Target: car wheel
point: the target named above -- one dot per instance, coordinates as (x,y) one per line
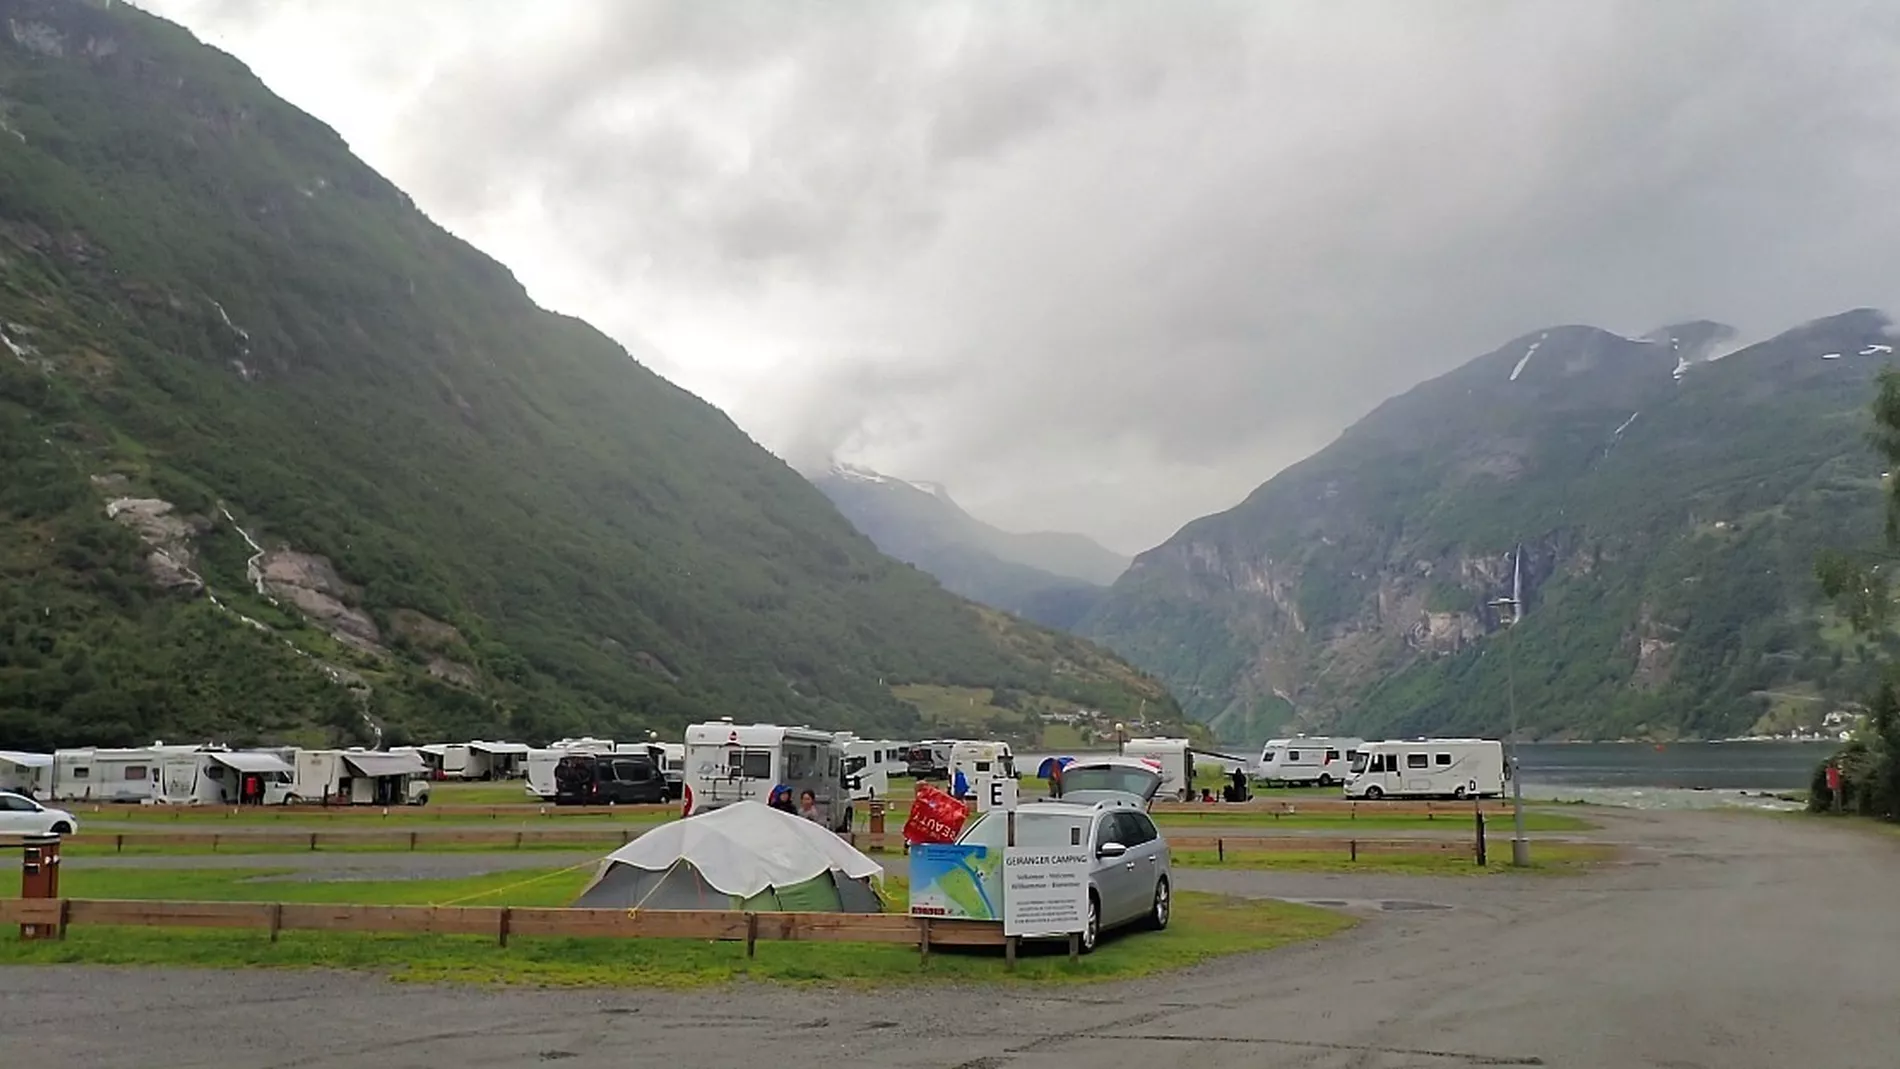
(1092,930)
(1163,907)
(291,799)
(1374,793)
(61,828)
(1459,793)
(1325,780)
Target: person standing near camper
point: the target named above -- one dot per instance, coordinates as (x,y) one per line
(782,799)
(808,806)
(960,787)
(1240,784)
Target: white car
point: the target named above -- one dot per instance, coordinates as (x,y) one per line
(20,815)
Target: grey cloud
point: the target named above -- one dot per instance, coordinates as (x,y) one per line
(1106,267)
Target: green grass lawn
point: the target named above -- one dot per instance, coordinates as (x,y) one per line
(1546,857)
(102,845)
(1346,823)
(1205,926)
(502,792)
(156,818)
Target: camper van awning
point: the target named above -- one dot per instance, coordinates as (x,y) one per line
(384,764)
(252,762)
(501,749)
(27,760)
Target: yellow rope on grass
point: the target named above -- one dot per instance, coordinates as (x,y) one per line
(520,883)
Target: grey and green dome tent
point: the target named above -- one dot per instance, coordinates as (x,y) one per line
(745,856)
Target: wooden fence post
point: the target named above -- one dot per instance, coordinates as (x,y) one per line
(1075,948)
(923,940)
(1479,813)
(751,935)
(1220,850)
(1353,846)
(65,915)
(276,920)
(507,914)
(313,840)
(1009,953)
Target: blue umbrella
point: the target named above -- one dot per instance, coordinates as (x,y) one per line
(1050,764)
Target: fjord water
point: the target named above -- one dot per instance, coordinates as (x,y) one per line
(1669,775)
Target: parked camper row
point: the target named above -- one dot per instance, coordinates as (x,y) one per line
(213,775)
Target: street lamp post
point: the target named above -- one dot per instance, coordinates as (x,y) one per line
(1520,846)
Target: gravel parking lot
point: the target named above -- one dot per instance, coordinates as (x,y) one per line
(1730,941)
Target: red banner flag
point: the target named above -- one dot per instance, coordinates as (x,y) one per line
(935,817)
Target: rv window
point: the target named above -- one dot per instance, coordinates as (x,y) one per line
(801,762)
(633,771)
(215,772)
(135,771)
(753,764)
(1332,755)
(1417,760)
(1267,757)
(1292,755)
(854,765)
(1442,760)
(82,772)
(982,766)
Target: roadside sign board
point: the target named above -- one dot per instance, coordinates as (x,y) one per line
(1045,890)
(954,880)
(999,792)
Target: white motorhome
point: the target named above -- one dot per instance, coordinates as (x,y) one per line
(866,767)
(538,767)
(929,759)
(360,777)
(1429,768)
(1304,759)
(727,762)
(216,777)
(30,774)
(109,775)
(1174,757)
(980,760)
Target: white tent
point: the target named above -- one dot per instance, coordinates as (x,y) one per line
(747,852)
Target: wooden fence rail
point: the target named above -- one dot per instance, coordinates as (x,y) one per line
(501,922)
(1354,849)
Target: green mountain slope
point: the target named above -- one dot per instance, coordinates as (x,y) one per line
(358,480)
(1669,510)
(1050,578)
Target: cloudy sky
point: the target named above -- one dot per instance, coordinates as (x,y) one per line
(1108,266)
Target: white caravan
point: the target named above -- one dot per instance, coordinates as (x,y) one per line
(866,768)
(1174,757)
(217,777)
(727,762)
(538,767)
(1430,768)
(978,761)
(1301,759)
(91,775)
(28,774)
(360,777)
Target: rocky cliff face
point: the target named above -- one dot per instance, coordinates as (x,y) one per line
(1667,508)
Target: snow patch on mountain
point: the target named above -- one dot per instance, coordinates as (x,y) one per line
(1526,358)
(854,473)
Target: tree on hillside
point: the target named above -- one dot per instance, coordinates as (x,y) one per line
(1861,586)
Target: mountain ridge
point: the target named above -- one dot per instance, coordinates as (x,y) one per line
(287,461)
(1353,589)
(921,524)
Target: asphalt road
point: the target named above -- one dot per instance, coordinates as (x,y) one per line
(1726,942)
